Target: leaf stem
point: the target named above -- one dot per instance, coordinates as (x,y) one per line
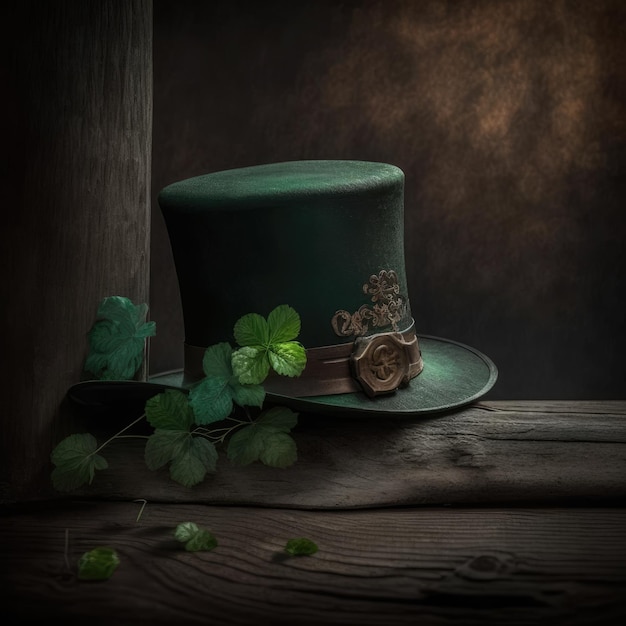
(234,419)
(211,432)
(207,431)
(110,439)
(212,435)
(143,506)
(66,550)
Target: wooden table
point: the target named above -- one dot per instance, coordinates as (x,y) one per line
(500,513)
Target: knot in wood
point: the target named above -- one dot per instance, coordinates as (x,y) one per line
(487,566)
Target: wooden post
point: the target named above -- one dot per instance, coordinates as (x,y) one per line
(75,216)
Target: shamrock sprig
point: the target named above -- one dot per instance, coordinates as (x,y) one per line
(174,441)
(182,438)
(301,546)
(268,344)
(98,564)
(212,398)
(194,538)
(117,339)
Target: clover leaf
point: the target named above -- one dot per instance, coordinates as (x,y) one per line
(195,459)
(76,460)
(301,547)
(268,344)
(117,339)
(194,537)
(278,419)
(180,437)
(98,564)
(164,446)
(169,410)
(267,440)
(212,398)
(251,364)
(190,457)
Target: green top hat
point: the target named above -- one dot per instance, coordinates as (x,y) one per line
(326,238)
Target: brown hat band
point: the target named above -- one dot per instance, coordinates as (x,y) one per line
(376,364)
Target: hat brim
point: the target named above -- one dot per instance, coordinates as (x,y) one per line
(454,376)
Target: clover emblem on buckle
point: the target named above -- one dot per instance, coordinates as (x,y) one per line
(381,362)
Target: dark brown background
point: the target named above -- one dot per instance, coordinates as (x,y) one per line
(507,118)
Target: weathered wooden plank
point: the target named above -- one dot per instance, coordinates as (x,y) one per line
(76,221)
(490,453)
(402,566)
(588,407)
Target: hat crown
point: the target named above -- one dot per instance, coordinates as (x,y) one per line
(325,237)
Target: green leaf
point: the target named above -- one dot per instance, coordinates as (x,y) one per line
(288,359)
(301,547)
(246,445)
(266,440)
(248,395)
(114,353)
(279,451)
(117,339)
(251,330)
(98,564)
(216,360)
(164,446)
(284,324)
(75,461)
(191,457)
(211,400)
(202,540)
(169,410)
(278,419)
(185,531)
(121,309)
(197,457)
(195,538)
(250,364)
(266,344)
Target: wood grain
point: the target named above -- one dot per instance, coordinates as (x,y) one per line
(490,453)
(76,219)
(402,566)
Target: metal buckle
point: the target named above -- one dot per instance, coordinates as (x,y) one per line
(381,363)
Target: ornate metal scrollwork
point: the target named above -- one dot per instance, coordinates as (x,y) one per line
(388,309)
